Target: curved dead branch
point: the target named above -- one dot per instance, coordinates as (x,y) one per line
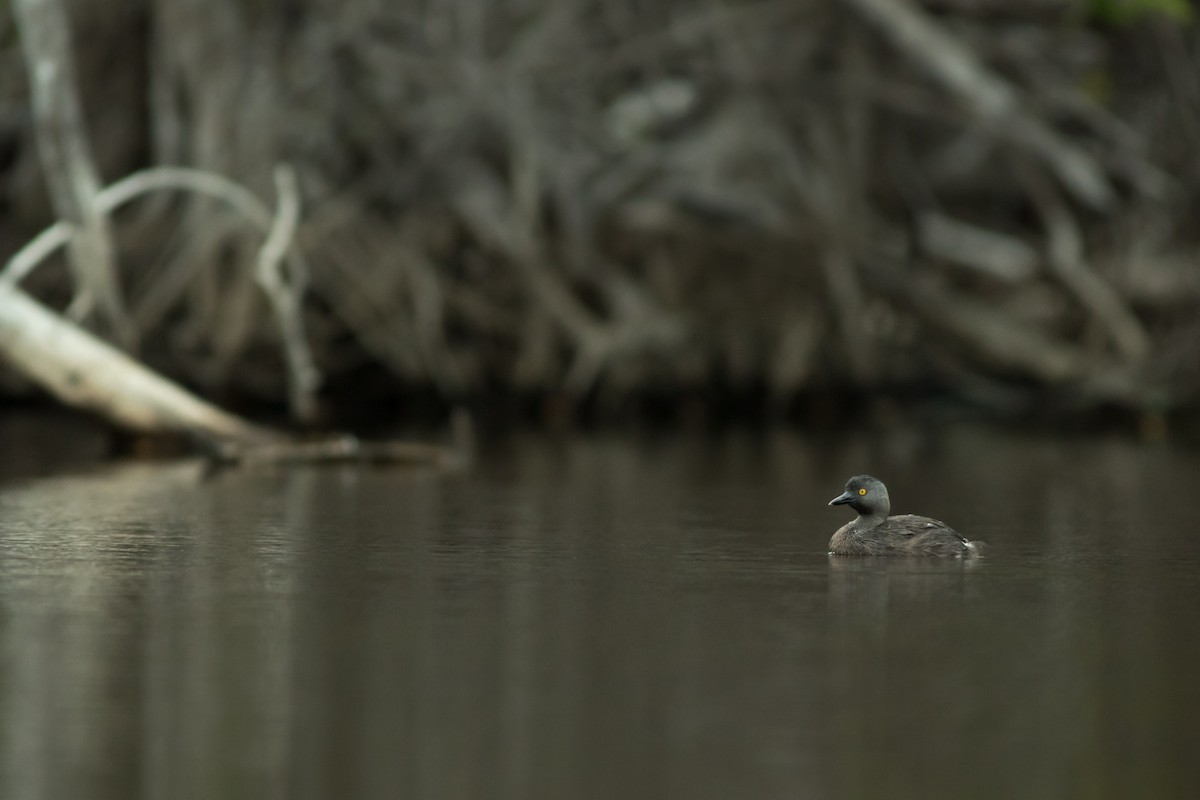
(285,294)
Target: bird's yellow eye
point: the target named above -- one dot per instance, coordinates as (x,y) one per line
(862,491)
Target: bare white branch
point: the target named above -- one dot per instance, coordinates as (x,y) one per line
(286,294)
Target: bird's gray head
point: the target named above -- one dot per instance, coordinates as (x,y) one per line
(866,495)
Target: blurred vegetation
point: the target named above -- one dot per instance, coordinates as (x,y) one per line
(994,200)
(1126,11)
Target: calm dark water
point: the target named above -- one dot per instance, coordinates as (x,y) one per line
(606,618)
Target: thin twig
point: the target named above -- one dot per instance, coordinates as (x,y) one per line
(286,295)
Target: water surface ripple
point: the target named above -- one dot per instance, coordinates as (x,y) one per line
(606,618)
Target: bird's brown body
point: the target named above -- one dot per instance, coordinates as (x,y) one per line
(874,533)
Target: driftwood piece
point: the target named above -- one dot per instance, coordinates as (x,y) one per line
(86,372)
(351,450)
(91,374)
(342,449)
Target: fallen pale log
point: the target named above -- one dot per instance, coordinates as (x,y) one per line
(84,371)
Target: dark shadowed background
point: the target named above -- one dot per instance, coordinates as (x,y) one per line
(952,243)
(682,208)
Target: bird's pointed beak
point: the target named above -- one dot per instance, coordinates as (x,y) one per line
(844,497)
